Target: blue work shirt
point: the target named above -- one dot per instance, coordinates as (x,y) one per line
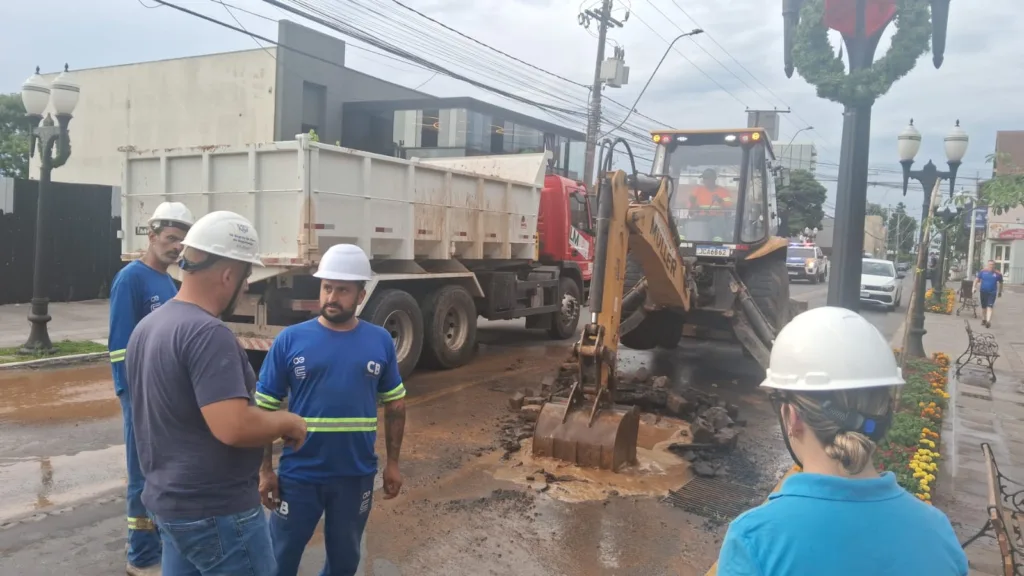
(333,379)
(990,279)
(830,526)
(136,291)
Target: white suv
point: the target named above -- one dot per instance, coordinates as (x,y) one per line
(879,283)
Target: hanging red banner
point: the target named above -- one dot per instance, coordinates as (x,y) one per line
(841,15)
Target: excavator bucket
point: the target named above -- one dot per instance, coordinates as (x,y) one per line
(604,439)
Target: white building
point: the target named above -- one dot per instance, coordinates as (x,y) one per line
(797,156)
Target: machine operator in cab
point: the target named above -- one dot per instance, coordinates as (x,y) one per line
(714,204)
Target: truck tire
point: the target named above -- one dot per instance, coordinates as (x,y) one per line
(567,319)
(397,312)
(660,328)
(768,285)
(449,328)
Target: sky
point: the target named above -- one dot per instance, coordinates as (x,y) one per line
(705,82)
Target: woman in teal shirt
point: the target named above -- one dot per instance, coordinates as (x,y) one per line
(831,378)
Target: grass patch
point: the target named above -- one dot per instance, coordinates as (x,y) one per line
(63,348)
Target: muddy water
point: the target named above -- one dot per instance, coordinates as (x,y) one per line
(657,470)
(29,484)
(56,396)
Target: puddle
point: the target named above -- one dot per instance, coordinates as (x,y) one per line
(52,396)
(657,470)
(30,484)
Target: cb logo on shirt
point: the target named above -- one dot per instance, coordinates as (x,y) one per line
(373,368)
(300,369)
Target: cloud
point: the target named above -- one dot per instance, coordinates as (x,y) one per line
(977,84)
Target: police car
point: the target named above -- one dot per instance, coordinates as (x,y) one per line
(805,261)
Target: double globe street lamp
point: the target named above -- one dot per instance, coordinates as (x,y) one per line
(54,144)
(909,143)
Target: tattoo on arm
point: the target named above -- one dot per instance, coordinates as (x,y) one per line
(268,457)
(394,428)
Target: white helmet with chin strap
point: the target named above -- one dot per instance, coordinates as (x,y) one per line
(171,214)
(830,348)
(227,235)
(345,262)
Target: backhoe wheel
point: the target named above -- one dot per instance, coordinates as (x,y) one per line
(768,285)
(397,312)
(660,328)
(565,321)
(449,327)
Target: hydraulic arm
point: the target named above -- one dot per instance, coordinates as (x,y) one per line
(587,427)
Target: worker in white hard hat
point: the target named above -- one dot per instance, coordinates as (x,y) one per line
(333,370)
(832,379)
(198,430)
(138,289)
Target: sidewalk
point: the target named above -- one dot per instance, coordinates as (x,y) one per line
(87,320)
(980,411)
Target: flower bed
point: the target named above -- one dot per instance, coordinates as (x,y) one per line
(909,449)
(939,305)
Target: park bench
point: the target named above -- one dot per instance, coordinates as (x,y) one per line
(1003,524)
(982,348)
(967,299)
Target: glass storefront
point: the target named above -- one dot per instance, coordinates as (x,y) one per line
(460,131)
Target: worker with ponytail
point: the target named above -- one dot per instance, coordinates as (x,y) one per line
(832,379)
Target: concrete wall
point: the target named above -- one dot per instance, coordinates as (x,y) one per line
(300,76)
(213,99)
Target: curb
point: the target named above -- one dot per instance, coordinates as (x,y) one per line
(56,361)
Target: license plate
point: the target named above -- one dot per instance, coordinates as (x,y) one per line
(865,295)
(713,251)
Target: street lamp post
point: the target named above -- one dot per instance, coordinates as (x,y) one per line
(62,96)
(909,144)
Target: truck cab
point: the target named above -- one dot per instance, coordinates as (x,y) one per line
(565,227)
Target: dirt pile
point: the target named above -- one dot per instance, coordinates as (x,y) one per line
(714,423)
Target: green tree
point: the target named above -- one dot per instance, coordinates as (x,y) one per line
(901,228)
(800,203)
(1005,190)
(14,137)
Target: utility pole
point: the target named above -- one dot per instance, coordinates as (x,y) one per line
(603,18)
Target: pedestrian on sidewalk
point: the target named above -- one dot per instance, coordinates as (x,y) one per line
(198,432)
(138,289)
(991,282)
(333,370)
(832,378)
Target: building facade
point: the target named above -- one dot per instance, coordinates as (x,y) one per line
(797,156)
(875,233)
(1004,239)
(272,94)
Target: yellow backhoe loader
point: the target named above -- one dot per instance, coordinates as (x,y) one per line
(691,249)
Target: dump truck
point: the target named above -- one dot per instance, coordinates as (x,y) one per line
(450,240)
(691,245)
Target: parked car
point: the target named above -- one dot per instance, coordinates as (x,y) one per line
(879,284)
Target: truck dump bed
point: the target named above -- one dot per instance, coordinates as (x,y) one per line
(304,197)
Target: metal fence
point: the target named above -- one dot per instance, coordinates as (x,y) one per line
(83,249)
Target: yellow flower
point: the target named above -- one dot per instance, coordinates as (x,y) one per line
(925,487)
(927,496)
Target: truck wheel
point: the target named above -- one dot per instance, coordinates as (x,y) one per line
(565,321)
(449,327)
(660,328)
(397,312)
(768,285)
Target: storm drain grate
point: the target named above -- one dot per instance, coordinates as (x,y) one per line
(712,498)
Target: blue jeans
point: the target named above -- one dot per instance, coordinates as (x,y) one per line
(143,540)
(345,504)
(233,545)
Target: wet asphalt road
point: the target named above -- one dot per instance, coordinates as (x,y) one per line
(61,473)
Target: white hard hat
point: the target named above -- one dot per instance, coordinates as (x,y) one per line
(172,212)
(831,348)
(227,235)
(345,262)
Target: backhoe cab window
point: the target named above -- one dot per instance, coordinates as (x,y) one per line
(707,181)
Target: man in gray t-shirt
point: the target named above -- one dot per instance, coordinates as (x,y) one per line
(184,358)
(198,433)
